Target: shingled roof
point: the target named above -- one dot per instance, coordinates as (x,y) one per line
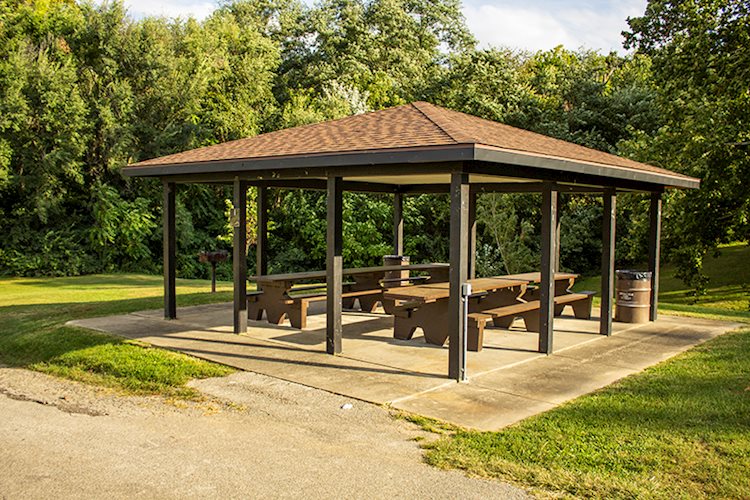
(415,126)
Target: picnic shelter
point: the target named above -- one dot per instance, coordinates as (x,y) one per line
(406,150)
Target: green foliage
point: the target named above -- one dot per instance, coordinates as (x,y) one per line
(701,68)
(512,236)
(121,228)
(578,244)
(486,83)
(676,430)
(426,222)
(86,89)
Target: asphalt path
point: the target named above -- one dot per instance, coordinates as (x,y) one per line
(254,436)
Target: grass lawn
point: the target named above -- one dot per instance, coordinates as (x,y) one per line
(33,335)
(727,296)
(680,429)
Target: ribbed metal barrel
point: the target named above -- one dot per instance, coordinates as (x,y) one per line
(396,260)
(633,291)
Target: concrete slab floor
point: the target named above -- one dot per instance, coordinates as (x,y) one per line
(509,380)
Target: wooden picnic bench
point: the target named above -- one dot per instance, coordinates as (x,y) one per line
(279,296)
(501,304)
(424,306)
(563,284)
(529,311)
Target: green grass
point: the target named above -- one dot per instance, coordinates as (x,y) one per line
(727,296)
(33,335)
(680,429)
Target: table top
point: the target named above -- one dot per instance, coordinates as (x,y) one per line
(321,275)
(437,291)
(536,277)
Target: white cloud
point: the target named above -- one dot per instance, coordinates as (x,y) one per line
(524,24)
(171,8)
(544,25)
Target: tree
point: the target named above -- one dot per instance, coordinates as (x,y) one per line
(701,67)
(389,49)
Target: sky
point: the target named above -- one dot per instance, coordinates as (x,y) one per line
(519,24)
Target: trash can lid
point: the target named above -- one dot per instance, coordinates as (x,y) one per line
(632,274)
(402,257)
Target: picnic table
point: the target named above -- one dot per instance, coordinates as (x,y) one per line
(424,306)
(563,284)
(279,296)
(500,299)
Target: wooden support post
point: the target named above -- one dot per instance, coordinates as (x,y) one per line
(654,252)
(472,234)
(459,273)
(334,265)
(261,253)
(608,261)
(547,284)
(398,224)
(170,250)
(239,255)
(556,267)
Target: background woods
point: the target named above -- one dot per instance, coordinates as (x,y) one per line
(86,89)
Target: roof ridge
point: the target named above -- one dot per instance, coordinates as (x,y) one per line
(471,139)
(418,106)
(459,136)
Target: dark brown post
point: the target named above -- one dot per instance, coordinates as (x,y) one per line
(547,284)
(239,255)
(654,244)
(459,272)
(557,233)
(261,254)
(398,224)
(334,265)
(170,250)
(608,261)
(472,234)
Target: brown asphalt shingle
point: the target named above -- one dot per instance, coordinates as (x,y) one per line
(415,125)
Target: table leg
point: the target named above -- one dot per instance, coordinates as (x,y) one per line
(297,313)
(274,300)
(498,298)
(561,288)
(432,318)
(254,308)
(370,281)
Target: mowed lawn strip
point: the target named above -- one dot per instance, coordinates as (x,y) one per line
(33,335)
(680,429)
(727,293)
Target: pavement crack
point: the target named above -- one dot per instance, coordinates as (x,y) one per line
(63,406)
(515,394)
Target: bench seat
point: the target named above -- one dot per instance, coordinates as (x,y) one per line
(298,305)
(529,311)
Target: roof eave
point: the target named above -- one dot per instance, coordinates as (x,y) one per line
(496,155)
(430,154)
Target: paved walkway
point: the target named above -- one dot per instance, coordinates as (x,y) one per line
(265,438)
(509,380)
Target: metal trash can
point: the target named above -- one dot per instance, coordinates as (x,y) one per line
(396,278)
(633,299)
